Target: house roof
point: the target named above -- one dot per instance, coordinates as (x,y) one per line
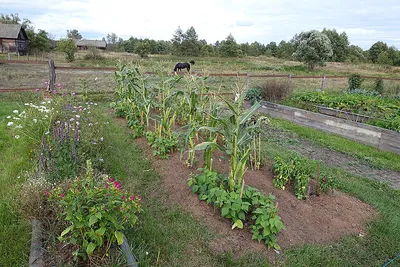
(10,31)
(95,43)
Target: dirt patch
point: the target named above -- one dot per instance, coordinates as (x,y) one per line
(317,220)
(332,158)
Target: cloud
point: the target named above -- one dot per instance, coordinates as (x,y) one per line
(365,22)
(244,23)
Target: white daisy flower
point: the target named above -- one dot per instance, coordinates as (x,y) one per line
(10,123)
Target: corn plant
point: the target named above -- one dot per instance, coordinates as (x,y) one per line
(232,128)
(137,97)
(163,139)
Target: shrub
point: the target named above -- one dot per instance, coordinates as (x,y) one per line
(67,46)
(355,81)
(97,210)
(379,86)
(273,90)
(93,53)
(254,95)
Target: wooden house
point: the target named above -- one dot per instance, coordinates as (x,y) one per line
(13,38)
(85,44)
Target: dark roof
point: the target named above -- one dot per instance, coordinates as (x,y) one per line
(10,31)
(95,43)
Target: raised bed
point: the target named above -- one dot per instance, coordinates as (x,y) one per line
(383,139)
(343,114)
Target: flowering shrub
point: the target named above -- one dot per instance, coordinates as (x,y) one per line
(96,211)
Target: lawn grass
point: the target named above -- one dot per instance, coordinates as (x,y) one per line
(371,155)
(382,242)
(14,159)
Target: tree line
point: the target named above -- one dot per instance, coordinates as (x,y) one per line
(313,47)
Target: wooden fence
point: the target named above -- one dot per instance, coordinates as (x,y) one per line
(247,76)
(380,138)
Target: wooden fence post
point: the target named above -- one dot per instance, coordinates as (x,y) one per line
(52,75)
(9,56)
(247,81)
(289,80)
(323,83)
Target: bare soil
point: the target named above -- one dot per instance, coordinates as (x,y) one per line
(333,158)
(322,219)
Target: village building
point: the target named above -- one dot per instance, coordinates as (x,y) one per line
(85,44)
(13,39)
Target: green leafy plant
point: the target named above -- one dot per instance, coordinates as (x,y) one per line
(253,95)
(97,212)
(327,183)
(162,145)
(293,169)
(378,87)
(241,205)
(68,47)
(236,136)
(355,81)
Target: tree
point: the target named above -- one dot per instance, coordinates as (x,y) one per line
(285,50)
(356,54)
(271,49)
(14,19)
(376,49)
(39,41)
(143,48)
(340,44)
(383,59)
(190,45)
(394,55)
(67,46)
(186,43)
(229,47)
(74,34)
(313,48)
(112,38)
(176,40)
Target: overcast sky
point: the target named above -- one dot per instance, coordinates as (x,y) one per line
(365,22)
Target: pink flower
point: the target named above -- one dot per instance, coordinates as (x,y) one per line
(37,89)
(111,180)
(117,185)
(132,198)
(123,197)
(73,93)
(54,91)
(107,195)
(106,185)
(47,193)
(62,195)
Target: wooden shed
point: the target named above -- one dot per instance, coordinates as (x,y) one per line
(13,38)
(85,44)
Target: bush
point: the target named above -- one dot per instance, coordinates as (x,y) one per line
(273,90)
(67,46)
(379,86)
(93,54)
(254,95)
(355,81)
(97,210)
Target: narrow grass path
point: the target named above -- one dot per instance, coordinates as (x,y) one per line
(166,235)
(14,159)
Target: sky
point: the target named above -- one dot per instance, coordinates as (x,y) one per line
(365,22)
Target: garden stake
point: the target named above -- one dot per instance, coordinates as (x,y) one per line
(318,189)
(241,190)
